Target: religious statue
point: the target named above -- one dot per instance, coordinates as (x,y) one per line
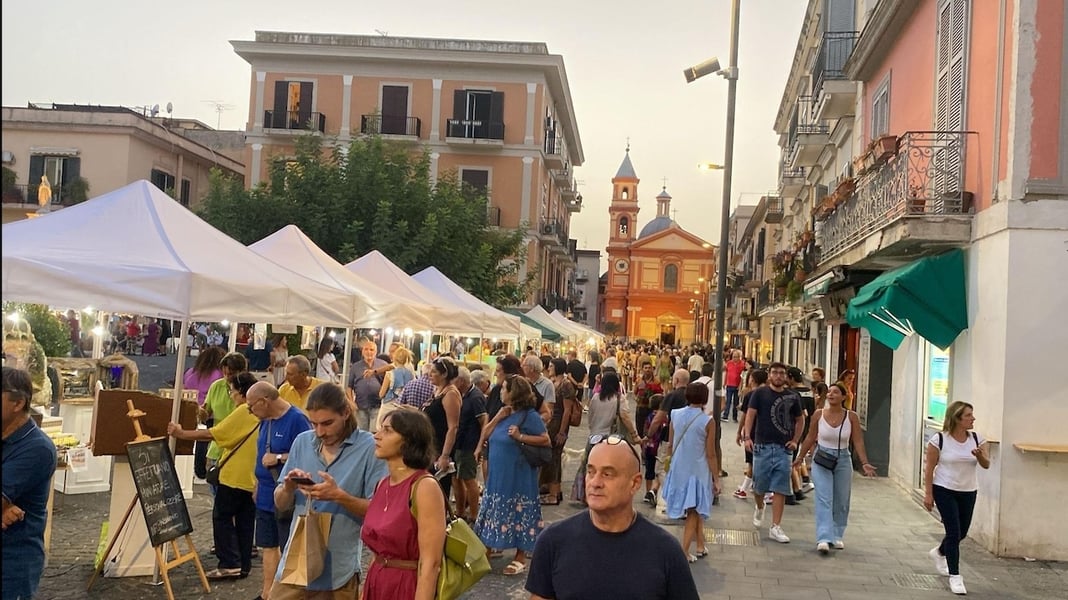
(44,192)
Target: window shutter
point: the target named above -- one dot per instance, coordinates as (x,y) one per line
(281,102)
(459,104)
(305,110)
(496,116)
(72,169)
(36,170)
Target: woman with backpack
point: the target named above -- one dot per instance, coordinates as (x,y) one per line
(951,483)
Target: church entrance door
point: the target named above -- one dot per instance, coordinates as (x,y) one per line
(667,335)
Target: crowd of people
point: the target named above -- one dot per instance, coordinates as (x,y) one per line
(388,454)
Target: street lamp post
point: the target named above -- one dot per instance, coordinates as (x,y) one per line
(731,75)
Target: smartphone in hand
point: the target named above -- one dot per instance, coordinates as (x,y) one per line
(302,480)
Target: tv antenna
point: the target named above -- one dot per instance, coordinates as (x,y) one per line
(382,32)
(220,107)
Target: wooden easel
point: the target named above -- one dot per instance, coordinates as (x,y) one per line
(161,561)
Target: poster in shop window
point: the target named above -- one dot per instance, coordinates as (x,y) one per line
(937,383)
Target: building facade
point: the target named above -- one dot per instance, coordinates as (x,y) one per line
(87,151)
(925,156)
(497,114)
(658,279)
(587,268)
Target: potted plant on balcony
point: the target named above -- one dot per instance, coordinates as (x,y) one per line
(845,188)
(824,208)
(883,148)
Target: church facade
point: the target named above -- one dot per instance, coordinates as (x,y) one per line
(657,284)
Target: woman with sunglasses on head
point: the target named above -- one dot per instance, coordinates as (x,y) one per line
(692,479)
(951,482)
(510,516)
(832,429)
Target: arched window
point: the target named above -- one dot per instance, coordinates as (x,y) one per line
(624,225)
(626,193)
(671,278)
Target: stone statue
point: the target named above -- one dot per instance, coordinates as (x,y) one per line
(44,192)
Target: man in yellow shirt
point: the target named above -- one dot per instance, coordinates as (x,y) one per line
(299,382)
(234,514)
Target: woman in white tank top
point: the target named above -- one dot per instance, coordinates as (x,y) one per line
(830,432)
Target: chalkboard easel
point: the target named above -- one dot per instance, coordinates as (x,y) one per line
(162,502)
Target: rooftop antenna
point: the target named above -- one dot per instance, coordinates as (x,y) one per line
(220,106)
(155,110)
(382,32)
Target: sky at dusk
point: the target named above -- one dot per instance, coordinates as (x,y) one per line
(624,62)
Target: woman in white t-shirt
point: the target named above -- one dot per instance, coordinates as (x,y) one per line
(326,367)
(951,484)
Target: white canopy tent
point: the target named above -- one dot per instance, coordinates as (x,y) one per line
(459,320)
(590,333)
(294,250)
(138,251)
(539,315)
(434,279)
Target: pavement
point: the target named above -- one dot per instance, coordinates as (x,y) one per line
(885,557)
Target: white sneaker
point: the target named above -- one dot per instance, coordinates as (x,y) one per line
(956,585)
(776,533)
(823,548)
(758,517)
(940,561)
(769,498)
(807,487)
(839,545)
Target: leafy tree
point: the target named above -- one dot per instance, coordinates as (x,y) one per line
(377,195)
(48,329)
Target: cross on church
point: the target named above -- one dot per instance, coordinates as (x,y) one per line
(628,143)
(674,214)
(665,183)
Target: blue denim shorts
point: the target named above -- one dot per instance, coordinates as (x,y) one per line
(771,469)
(270,532)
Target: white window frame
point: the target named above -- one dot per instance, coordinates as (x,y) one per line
(880,108)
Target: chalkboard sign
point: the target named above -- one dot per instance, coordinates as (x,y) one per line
(158,488)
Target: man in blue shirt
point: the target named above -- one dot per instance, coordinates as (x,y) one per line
(365,381)
(280,424)
(29,460)
(339,458)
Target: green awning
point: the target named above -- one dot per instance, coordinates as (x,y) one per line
(546,333)
(927,297)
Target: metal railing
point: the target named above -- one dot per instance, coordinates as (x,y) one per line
(925,178)
(774,212)
(554,143)
(554,230)
(806,120)
(390,125)
(22,193)
(834,50)
(273,119)
(551,301)
(474,129)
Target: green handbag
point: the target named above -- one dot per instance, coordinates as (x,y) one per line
(464,560)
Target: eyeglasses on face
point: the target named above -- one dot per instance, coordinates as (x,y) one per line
(614,440)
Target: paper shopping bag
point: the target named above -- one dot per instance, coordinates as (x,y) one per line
(307,549)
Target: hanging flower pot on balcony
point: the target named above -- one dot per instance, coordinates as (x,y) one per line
(846,187)
(824,208)
(860,166)
(883,148)
(800,275)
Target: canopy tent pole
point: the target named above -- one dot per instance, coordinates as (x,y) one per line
(893,322)
(179,371)
(98,339)
(231,343)
(346,365)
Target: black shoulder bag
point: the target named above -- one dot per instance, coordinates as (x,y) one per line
(536,456)
(826,459)
(213,473)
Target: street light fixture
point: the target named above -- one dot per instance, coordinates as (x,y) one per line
(730,73)
(707,166)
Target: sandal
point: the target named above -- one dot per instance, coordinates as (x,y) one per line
(701,553)
(492,554)
(515,568)
(224,574)
(550,500)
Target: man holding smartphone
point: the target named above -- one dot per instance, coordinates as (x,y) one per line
(334,469)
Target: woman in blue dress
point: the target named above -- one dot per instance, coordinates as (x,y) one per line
(692,480)
(510,516)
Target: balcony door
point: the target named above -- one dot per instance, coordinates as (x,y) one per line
(394,110)
(479,114)
(292,104)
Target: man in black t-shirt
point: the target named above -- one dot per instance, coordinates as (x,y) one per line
(570,555)
(796,380)
(468,432)
(774,425)
(576,373)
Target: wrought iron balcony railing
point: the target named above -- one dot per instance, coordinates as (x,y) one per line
(273,119)
(474,129)
(834,50)
(390,125)
(925,178)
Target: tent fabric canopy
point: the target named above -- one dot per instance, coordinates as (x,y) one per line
(927,296)
(457,319)
(136,250)
(589,332)
(545,320)
(434,279)
(544,332)
(376,306)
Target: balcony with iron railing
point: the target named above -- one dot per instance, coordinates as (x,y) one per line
(554,150)
(915,202)
(774,212)
(807,135)
(26,195)
(792,181)
(294,120)
(470,131)
(834,94)
(554,232)
(391,125)
(551,301)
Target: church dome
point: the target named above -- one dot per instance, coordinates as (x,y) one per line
(656,226)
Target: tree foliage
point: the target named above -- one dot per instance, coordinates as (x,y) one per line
(377,195)
(49,330)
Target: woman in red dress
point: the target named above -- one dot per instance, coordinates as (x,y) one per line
(405,522)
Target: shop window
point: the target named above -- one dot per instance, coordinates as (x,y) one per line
(936,365)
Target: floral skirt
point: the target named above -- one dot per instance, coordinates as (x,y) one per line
(509,521)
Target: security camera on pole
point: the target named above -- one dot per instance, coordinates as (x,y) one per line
(730,73)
